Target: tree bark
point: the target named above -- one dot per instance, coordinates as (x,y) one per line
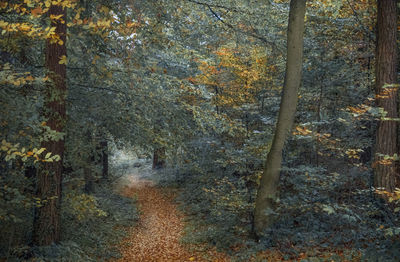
(47,217)
(159,158)
(268,193)
(386,96)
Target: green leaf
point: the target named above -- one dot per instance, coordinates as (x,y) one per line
(40,151)
(328,209)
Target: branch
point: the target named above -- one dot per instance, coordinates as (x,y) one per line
(230,9)
(370,35)
(251,34)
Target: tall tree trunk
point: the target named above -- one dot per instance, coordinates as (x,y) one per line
(47,217)
(267,195)
(386,96)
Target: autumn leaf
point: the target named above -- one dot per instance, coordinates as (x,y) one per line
(37,11)
(95,58)
(63,60)
(29,78)
(105,9)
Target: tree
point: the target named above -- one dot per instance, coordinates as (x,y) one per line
(49,177)
(267,195)
(386,94)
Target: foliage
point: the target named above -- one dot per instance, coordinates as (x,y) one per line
(321,215)
(91,237)
(201,79)
(83,206)
(90,232)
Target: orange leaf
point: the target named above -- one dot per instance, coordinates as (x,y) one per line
(37,11)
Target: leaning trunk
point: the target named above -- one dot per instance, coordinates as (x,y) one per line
(267,195)
(47,214)
(386,94)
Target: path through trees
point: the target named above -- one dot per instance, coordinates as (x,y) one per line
(160,228)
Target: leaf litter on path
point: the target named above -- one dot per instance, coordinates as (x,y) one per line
(156,237)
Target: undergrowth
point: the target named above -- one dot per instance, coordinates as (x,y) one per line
(90,236)
(94,238)
(322,216)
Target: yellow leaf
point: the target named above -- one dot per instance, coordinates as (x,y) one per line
(105,9)
(28,3)
(192,259)
(24,27)
(3,23)
(55,17)
(63,60)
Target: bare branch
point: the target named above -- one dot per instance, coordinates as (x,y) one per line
(248,33)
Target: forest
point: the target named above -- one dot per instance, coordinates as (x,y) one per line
(199,130)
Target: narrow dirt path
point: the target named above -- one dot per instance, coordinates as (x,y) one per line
(156,236)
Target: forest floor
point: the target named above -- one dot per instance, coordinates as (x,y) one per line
(157,235)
